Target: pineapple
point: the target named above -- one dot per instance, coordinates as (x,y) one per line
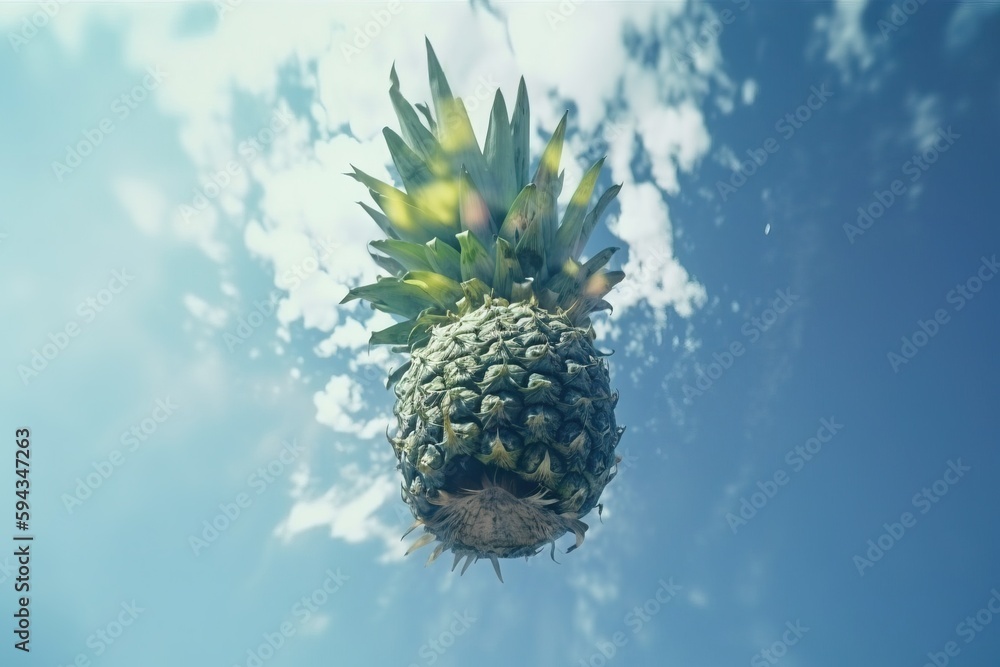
(506,430)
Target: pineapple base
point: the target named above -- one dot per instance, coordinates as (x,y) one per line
(495,521)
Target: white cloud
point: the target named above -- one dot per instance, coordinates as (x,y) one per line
(847,45)
(674,137)
(312,232)
(353,335)
(698,598)
(205,312)
(564,59)
(966,22)
(656,277)
(606,330)
(144,203)
(749,91)
(727,158)
(337,405)
(315,625)
(349,510)
(596,586)
(926,113)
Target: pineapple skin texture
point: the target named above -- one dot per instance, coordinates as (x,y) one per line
(513,387)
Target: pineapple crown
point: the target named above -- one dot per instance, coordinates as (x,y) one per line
(471,226)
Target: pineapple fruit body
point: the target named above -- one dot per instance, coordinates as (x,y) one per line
(508,414)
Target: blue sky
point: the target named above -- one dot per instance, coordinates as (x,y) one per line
(810,461)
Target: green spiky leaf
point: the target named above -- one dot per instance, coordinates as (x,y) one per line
(412,169)
(530,250)
(588,282)
(558,185)
(547,176)
(406,220)
(397,334)
(474,213)
(579,311)
(440,90)
(591,297)
(596,263)
(412,223)
(419,137)
(394,296)
(499,154)
(572,223)
(523,212)
(506,271)
(397,374)
(522,291)
(564,283)
(445,291)
(422,108)
(476,261)
(458,141)
(547,222)
(599,284)
(407,335)
(411,256)
(388,264)
(520,135)
(444,259)
(474,290)
(380,220)
(590,222)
